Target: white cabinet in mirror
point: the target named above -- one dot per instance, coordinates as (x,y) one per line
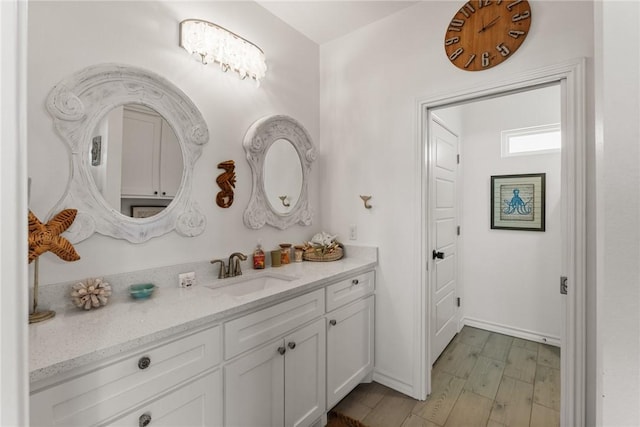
(280,152)
(96,111)
(137,165)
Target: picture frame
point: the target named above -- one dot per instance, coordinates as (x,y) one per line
(146,211)
(518,202)
(96,150)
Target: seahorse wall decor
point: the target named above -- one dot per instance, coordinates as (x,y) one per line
(227,182)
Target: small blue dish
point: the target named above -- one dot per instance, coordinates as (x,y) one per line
(142,290)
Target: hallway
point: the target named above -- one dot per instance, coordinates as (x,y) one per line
(481,379)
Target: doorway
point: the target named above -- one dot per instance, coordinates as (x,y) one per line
(570,77)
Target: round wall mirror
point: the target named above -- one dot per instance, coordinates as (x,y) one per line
(136,161)
(280,152)
(144,191)
(282,176)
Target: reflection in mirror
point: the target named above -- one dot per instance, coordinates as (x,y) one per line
(282,176)
(136,160)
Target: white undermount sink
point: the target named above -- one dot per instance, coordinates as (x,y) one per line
(241,286)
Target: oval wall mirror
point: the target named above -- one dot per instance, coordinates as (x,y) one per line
(89,110)
(280,152)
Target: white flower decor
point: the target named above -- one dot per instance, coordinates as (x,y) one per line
(92,293)
(323,239)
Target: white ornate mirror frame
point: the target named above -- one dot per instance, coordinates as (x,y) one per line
(78,103)
(257,141)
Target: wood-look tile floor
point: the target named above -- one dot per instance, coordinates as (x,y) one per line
(481,379)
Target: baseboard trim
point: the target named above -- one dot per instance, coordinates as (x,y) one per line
(512,331)
(387,380)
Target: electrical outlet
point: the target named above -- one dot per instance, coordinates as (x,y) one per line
(186,280)
(353,232)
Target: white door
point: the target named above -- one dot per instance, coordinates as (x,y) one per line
(254,388)
(349,348)
(140,153)
(443,150)
(304,375)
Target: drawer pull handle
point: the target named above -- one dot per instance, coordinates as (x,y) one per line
(292,345)
(144,362)
(144,420)
(332,322)
(355,281)
(282,350)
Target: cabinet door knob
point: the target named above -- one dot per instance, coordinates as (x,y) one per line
(282,350)
(164,193)
(144,420)
(332,322)
(144,362)
(292,345)
(155,192)
(355,281)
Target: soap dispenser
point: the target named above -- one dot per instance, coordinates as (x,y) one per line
(258,257)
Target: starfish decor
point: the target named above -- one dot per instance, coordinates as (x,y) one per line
(44,238)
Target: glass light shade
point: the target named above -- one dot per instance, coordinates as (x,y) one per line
(212,43)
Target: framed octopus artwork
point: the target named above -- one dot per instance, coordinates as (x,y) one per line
(518,202)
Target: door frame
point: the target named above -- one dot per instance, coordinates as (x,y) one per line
(571,76)
(14,303)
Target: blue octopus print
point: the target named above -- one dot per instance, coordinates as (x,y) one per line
(517,202)
(517,206)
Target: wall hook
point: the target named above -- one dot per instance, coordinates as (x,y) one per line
(365,199)
(284,202)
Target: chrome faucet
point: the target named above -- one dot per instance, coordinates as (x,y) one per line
(232,269)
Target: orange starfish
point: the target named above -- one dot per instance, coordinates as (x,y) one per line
(46,237)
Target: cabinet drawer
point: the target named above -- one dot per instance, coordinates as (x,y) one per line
(198,403)
(257,328)
(349,290)
(114,387)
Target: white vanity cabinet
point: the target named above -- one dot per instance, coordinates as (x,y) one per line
(278,364)
(153,381)
(350,322)
(282,382)
(151,155)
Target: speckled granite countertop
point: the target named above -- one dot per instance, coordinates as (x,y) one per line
(75,338)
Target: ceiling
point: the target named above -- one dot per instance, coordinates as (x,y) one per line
(323,21)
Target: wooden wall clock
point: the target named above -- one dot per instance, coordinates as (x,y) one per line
(484,33)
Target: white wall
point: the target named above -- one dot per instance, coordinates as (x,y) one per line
(371,80)
(618,162)
(65,37)
(509,279)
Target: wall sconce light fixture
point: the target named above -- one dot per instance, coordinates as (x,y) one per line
(213,43)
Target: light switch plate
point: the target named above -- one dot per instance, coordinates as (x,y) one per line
(186,280)
(353,232)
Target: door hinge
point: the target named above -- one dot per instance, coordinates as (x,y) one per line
(458,158)
(458,301)
(563,285)
(458,230)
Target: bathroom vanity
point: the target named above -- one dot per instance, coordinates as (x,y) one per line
(250,353)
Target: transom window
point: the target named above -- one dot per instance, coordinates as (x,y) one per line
(532,140)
